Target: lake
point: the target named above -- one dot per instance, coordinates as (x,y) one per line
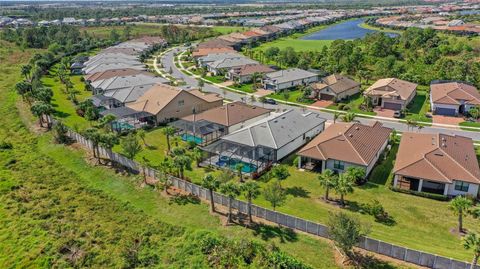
(346,30)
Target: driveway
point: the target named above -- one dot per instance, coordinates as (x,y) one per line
(322,103)
(383,112)
(447,119)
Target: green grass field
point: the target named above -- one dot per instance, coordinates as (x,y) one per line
(244,87)
(293,96)
(229,29)
(419,107)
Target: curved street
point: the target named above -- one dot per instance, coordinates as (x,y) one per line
(168,62)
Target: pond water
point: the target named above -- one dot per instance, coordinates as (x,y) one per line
(346,30)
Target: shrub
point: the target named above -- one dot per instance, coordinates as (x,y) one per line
(377,210)
(4,145)
(433,196)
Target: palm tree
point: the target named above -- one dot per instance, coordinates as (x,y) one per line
(26,70)
(23,88)
(255,77)
(231,190)
(472,241)
(42,110)
(336,115)
(197,154)
(182,162)
(106,122)
(239,167)
(328,180)
(411,124)
(141,134)
(344,186)
(252,191)
(93,135)
(460,205)
(168,131)
(348,117)
(211,183)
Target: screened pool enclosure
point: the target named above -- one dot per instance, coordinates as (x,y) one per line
(231,155)
(201,132)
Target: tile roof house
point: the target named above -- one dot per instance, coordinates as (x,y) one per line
(453,98)
(215,43)
(335,87)
(111,66)
(223,65)
(243,74)
(288,78)
(208,126)
(127,51)
(265,142)
(437,163)
(121,82)
(343,145)
(210,58)
(200,52)
(168,103)
(391,93)
(114,73)
(233,116)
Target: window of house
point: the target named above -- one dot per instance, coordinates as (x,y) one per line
(338,165)
(461,186)
(181,102)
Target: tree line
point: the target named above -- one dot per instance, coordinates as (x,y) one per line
(417,55)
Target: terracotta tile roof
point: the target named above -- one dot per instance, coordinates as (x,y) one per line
(337,83)
(251,33)
(392,87)
(437,157)
(249,69)
(160,95)
(349,142)
(215,43)
(206,51)
(452,92)
(229,114)
(115,73)
(271,29)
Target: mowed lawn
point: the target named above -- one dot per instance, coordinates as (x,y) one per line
(420,223)
(229,29)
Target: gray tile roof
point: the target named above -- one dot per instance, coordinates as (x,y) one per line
(108,60)
(111,66)
(232,62)
(287,75)
(129,94)
(126,81)
(218,56)
(276,130)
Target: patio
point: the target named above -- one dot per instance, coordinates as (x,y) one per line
(201,132)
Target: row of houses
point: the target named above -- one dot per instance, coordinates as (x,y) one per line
(440,23)
(256,138)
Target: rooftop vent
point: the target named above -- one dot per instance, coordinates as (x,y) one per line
(439,154)
(357,128)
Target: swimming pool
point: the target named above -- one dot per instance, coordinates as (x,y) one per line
(122,126)
(232,163)
(189,137)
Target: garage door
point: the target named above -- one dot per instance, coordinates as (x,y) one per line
(393,106)
(445,111)
(326,96)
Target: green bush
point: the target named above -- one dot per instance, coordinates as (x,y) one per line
(433,196)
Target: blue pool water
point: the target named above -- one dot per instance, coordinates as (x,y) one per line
(189,137)
(232,164)
(122,126)
(345,30)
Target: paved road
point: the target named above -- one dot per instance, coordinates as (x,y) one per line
(168,62)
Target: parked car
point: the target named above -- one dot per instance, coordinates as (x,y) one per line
(270,101)
(398,114)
